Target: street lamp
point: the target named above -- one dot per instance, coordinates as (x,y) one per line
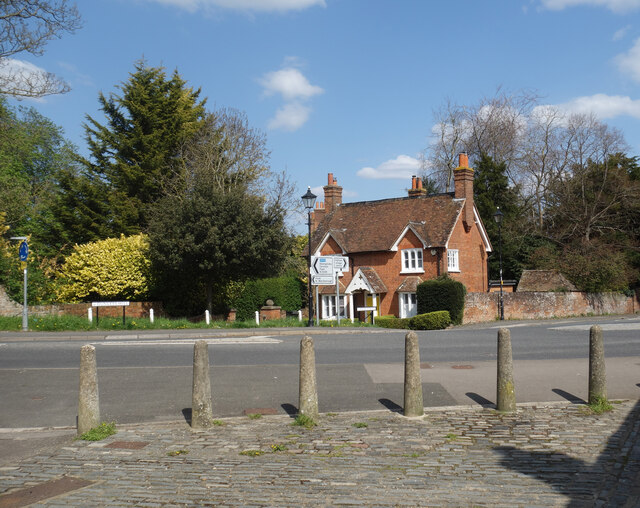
(309,201)
(498,218)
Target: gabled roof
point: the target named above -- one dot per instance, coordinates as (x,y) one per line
(377,225)
(366,278)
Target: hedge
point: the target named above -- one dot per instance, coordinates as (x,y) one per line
(442,293)
(286,292)
(431,321)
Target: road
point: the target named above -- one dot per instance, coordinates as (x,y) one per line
(147,376)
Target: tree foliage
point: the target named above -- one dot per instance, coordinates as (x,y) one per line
(26,26)
(134,153)
(111,269)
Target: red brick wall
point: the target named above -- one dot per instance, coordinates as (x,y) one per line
(480,307)
(472,258)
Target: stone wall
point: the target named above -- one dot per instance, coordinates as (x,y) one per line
(481,307)
(135,309)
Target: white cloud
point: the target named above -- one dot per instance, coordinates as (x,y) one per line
(290,83)
(402,167)
(603,106)
(617,6)
(629,62)
(244,5)
(290,117)
(620,34)
(21,75)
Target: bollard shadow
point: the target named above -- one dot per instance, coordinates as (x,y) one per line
(574,399)
(186,414)
(390,405)
(479,399)
(290,409)
(581,482)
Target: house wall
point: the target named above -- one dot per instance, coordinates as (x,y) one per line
(472,258)
(481,307)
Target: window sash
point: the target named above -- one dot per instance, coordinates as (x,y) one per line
(453,261)
(412,260)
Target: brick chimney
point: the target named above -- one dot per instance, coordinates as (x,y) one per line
(317,215)
(416,187)
(463,182)
(332,194)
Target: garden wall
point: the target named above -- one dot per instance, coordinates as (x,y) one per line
(481,307)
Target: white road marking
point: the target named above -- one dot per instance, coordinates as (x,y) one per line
(611,327)
(223,341)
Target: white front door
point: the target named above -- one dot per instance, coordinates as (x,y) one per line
(408,305)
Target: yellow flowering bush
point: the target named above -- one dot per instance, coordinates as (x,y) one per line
(115,268)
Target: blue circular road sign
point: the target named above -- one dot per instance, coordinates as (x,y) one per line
(24,251)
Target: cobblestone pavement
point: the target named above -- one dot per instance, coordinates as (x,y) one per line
(544,455)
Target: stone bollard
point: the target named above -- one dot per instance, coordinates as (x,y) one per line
(597,374)
(151,315)
(90,314)
(413,401)
(506,394)
(308,391)
(88,400)
(207,317)
(201,406)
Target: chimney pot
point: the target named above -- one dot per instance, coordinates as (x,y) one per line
(463,160)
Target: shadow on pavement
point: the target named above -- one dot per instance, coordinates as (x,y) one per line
(580,481)
(290,409)
(390,405)
(476,397)
(574,399)
(186,413)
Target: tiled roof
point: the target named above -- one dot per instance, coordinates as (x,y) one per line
(409,285)
(370,226)
(374,279)
(544,280)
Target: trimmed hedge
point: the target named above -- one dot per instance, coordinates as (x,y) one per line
(430,321)
(442,293)
(285,292)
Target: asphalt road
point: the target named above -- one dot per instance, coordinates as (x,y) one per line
(147,376)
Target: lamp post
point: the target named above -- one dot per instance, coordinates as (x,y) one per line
(498,218)
(309,200)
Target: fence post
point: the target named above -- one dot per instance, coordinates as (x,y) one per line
(88,399)
(308,391)
(506,394)
(413,401)
(201,406)
(597,374)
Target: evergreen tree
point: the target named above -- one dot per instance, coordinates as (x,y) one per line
(134,151)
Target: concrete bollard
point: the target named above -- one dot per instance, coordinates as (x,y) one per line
(413,401)
(151,315)
(201,406)
(597,371)
(207,317)
(506,394)
(90,314)
(308,391)
(88,399)
(257,318)
(300,316)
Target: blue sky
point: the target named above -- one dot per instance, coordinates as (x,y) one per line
(350,86)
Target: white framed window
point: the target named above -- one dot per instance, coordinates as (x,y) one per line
(408,305)
(412,261)
(453,264)
(329,307)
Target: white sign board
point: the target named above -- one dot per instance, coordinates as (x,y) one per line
(328,265)
(323,280)
(109,304)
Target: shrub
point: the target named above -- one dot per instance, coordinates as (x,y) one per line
(442,293)
(392,322)
(286,292)
(431,321)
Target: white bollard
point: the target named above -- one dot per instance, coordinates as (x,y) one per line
(207,317)
(300,315)
(151,315)
(90,314)
(257,318)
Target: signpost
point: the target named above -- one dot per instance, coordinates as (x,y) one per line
(124,305)
(324,272)
(23,253)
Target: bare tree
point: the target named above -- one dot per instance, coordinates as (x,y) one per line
(27,26)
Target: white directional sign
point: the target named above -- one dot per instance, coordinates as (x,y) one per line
(323,280)
(328,265)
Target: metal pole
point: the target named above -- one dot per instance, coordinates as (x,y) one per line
(310,305)
(25,308)
(501,295)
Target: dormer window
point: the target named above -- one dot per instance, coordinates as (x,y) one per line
(412,261)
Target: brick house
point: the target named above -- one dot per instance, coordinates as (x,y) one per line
(394,244)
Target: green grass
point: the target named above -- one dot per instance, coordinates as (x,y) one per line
(278,448)
(175,453)
(100,432)
(254,416)
(252,453)
(360,425)
(67,322)
(600,405)
(304,421)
